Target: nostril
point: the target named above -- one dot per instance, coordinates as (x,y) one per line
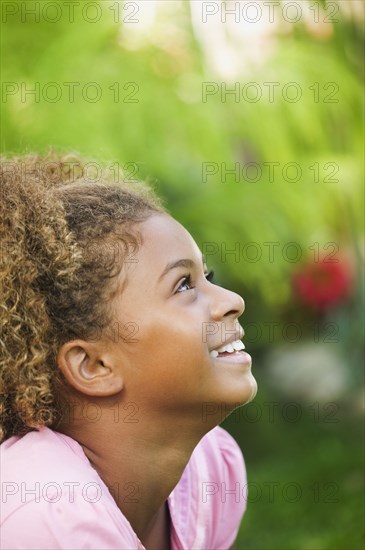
(231,312)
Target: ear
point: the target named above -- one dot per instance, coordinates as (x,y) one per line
(88,371)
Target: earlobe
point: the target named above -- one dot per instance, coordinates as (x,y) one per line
(84,370)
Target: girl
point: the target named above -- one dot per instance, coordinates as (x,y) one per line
(119,359)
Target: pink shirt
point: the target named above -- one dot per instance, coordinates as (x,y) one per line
(51,497)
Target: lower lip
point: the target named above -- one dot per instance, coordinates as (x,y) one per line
(240,357)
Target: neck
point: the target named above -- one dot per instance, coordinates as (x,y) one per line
(140,462)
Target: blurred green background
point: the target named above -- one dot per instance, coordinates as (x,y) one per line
(267,178)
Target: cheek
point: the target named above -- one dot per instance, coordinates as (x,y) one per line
(170,350)
(176,333)
(175,348)
(170,344)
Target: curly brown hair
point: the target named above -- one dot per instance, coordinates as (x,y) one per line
(64,239)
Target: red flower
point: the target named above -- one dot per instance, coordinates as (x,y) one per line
(323,284)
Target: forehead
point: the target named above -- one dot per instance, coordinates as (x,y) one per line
(165,240)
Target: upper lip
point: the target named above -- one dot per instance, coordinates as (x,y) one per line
(236,336)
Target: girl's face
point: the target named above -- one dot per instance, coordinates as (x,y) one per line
(176,317)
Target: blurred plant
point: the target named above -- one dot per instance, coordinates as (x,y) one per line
(170,133)
(323,284)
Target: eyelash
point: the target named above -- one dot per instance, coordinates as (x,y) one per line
(187,280)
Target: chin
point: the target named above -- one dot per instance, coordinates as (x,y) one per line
(244,393)
(253,391)
(232,397)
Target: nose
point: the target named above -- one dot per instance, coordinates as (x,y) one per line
(226,303)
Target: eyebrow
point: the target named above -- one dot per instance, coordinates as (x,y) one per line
(184,262)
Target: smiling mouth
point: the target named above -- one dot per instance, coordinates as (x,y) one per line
(233,348)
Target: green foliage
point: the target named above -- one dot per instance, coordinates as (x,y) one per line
(305,489)
(160,122)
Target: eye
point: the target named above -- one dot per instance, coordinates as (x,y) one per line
(185,284)
(210,276)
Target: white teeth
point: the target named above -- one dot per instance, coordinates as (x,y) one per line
(237,345)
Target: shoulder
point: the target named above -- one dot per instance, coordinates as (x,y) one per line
(213,488)
(219,459)
(47,484)
(223,453)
